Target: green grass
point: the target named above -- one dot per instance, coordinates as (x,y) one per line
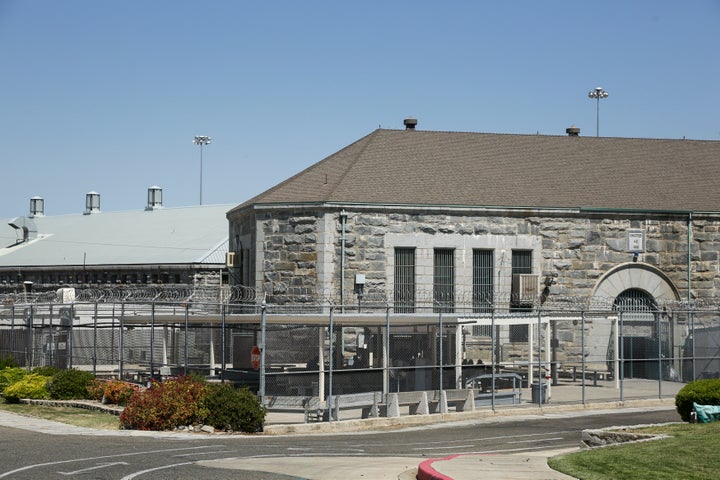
(693,453)
(80,417)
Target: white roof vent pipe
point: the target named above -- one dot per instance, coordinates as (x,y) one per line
(92,203)
(37,207)
(154,198)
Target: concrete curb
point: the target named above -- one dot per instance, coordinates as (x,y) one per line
(347,426)
(427,472)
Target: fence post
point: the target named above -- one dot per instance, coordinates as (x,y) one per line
(622,358)
(659,354)
(493,357)
(70,335)
(440,350)
(386,355)
(263,323)
(121,355)
(539,358)
(692,344)
(30,344)
(331,354)
(222,344)
(582,351)
(152,339)
(95,328)
(185,353)
(52,339)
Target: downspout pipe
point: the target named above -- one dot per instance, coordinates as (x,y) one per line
(689,256)
(343,220)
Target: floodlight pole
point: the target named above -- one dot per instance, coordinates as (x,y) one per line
(201,140)
(598,93)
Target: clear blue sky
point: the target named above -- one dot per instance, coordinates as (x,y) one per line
(107,96)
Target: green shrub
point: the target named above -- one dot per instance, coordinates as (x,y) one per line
(702,392)
(10,375)
(7,361)
(165,406)
(70,384)
(47,371)
(32,385)
(233,409)
(115,392)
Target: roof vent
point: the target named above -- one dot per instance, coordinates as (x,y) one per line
(573,131)
(92,203)
(26,225)
(37,207)
(154,198)
(410,123)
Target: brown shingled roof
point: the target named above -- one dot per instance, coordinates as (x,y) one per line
(503,170)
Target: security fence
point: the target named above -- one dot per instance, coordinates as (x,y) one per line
(293,354)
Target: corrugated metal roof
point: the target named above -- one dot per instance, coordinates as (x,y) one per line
(184,235)
(400,167)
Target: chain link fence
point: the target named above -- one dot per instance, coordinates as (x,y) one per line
(561,350)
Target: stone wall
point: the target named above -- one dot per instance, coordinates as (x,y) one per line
(293,249)
(299,259)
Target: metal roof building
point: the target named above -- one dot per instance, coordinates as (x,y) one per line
(157,245)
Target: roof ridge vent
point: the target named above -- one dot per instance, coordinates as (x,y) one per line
(154,198)
(410,123)
(573,131)
(92,203)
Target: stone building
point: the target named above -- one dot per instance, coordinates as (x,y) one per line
(475,222)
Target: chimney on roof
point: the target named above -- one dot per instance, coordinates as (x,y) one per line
(37,207)
(410,123)
(154,198)
(92,203)
(573,131)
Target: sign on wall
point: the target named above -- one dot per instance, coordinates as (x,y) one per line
(636,241)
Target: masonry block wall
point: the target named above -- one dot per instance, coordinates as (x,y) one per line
(298,254)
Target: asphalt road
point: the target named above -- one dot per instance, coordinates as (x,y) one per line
(32,455)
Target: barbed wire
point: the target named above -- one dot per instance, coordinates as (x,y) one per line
(374,297)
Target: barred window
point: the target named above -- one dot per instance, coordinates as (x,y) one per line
(404,289)
(483,267)
(444,280)
(521,263)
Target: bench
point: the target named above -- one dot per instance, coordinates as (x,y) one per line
(575,372)
(312,407)
(508,386)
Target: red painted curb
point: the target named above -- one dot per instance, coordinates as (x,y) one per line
(427,472)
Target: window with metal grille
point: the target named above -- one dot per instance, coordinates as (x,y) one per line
(483,267)
(634,300)
(521,263)
(404,288)
(444,280)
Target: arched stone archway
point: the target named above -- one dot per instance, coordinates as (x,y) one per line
(636,276)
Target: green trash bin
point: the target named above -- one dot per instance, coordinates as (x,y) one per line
(538,392)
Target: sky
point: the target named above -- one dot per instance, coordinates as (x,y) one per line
(107,96)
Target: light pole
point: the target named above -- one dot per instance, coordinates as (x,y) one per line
(598,93)
(201,140)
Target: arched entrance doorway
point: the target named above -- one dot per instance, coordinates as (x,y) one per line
(635,292)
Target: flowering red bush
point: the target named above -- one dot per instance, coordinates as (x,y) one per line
(116,392)
(165,406)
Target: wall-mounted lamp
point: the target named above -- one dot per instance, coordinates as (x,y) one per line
(547,283)
(635,257)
